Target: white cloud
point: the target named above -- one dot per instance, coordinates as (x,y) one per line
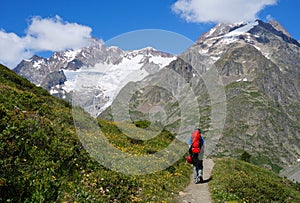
(55,35)
(226,11)
(48,34)
(13,49)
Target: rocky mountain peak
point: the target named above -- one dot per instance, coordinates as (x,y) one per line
(218,30)
(258,64)
(256,28)
(279,27)
(267,38)
(147,52)
(101,67)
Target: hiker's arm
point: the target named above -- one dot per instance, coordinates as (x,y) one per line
(189,142)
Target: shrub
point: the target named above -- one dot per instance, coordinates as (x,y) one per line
(244,182)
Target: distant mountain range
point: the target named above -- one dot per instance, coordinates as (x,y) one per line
(259,66)
(97,70)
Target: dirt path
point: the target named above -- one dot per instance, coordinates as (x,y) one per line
(198,193)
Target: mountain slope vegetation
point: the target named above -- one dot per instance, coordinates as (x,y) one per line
(259,116)
(42,159)
(239,181)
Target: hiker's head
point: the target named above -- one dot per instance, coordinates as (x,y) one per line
(199,130)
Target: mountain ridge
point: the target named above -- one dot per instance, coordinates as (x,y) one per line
(259,67)
(60,73)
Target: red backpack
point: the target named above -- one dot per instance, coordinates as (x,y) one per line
(196,142)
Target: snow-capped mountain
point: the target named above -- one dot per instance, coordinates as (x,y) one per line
(238,51)
(257,34)
(258,64)
(98,71)
(101,83)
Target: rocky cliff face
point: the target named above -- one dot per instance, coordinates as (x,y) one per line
(258,64)
(260,69)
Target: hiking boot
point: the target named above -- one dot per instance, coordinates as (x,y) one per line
(200,179)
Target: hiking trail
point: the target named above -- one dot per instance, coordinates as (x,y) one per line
(198,193)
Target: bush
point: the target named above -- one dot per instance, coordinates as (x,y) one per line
(244,182)
(245,156)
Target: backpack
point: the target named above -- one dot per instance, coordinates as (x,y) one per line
(197,142)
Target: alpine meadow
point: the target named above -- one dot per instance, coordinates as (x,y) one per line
(240,81)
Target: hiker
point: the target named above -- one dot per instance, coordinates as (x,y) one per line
(196,150)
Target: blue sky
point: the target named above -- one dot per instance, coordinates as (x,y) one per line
(26,26)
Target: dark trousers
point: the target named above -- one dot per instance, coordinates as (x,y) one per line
(198,166)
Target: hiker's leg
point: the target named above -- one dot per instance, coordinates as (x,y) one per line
(200,169)
(200,160)
(195,165)
(195,171)
(201,164)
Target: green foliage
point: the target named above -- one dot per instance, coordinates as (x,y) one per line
(142,124)
(42,159)
(11,79)
(240,181)
(261,160)
(127,144)
(245,156)
(258,124)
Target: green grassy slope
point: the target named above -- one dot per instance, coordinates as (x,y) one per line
(239,181)
(42,159)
